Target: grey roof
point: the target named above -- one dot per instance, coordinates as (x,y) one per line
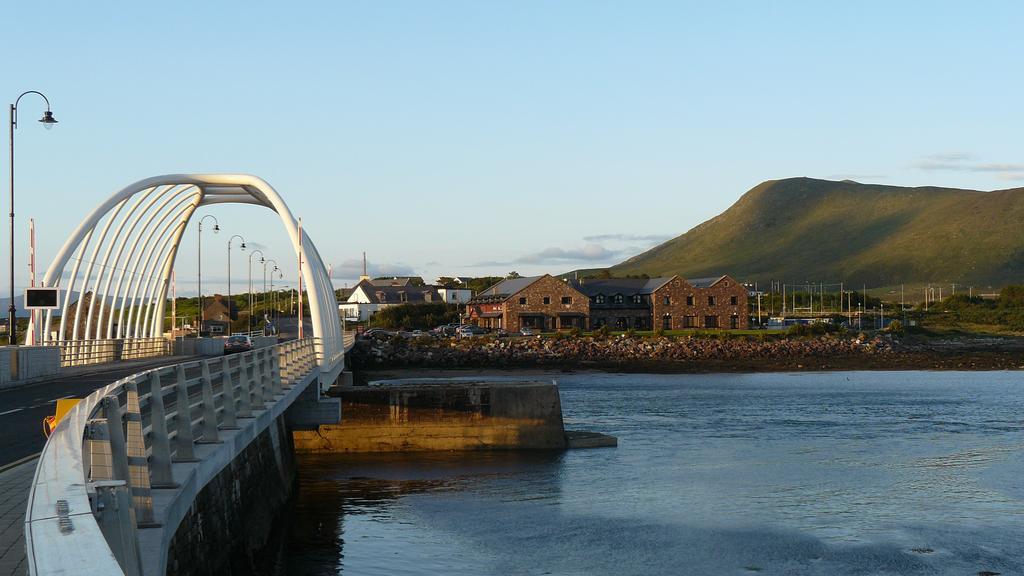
(509,286)
(625,286)
(704,282)
(393,294)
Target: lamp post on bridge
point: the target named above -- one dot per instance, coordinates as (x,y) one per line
(251,301)
(202,310)
(230,301)
(48,121)
(265,262)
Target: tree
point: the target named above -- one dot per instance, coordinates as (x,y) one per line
(513,274)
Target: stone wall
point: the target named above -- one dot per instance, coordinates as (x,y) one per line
(554,289)
(231,524)
(449,416)
(681,293)
(24,364)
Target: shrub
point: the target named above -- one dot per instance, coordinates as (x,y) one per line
(601,331)
(895,327)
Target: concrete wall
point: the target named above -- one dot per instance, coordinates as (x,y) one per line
(232,523)
(450,416)
(21,364)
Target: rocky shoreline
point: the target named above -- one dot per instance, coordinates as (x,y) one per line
(687,354)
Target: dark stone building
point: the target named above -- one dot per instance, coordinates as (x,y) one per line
(669,303)
(538,302)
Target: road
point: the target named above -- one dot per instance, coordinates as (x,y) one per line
(22,409)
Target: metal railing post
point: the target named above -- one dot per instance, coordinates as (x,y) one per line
(229,421)
(160,474)
(209,433)
(115,432)
(281,353)
(183,439)
(275,371)
(138,466)
(263,369)
(245,395)
(112,504)
(258,401)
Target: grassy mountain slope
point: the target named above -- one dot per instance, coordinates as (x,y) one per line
(803,228)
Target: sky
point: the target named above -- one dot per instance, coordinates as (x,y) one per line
(477,138)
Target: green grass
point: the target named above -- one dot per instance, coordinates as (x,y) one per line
(805,229)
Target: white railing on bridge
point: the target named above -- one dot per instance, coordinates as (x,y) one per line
(85,352)
(92,485)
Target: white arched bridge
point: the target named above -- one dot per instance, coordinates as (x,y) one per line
(123,253)
(121,469)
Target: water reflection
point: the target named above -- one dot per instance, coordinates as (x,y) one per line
(831,474)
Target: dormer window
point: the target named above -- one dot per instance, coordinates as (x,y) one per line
(599,299)
(637,299)
(618,299)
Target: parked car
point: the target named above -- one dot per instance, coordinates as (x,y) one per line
(469,330)
(526,331)
(237,343)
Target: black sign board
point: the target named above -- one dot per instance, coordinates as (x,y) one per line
(41,298)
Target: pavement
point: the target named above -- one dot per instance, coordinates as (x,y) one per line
(23,408)
(15,481)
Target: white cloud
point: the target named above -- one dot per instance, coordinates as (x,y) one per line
(353,268)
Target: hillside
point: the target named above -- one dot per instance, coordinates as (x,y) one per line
(806,229)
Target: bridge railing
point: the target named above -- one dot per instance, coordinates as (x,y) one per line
(85,352)
(92,487)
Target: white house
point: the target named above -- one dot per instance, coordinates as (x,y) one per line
(455,295)
(367,299)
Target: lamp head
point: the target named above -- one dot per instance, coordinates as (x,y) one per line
(48,120)
(243,245)
(216,227)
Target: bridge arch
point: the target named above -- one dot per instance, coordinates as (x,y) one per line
(123,253)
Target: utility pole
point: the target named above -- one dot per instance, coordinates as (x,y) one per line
(783,300)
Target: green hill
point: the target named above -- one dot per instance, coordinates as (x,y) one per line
(807,229)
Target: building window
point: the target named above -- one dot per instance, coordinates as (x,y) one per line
(403,296)
(566,300)
(618,299)
(711,321)
(522,301)
(689,300)
(621,323)
(734,321)
(547,300)
(732,300)
(666,322)
(599,299)
(689,322)
(667,300)
(711,300)
(636,299)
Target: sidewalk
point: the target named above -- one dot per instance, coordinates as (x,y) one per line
(15,483)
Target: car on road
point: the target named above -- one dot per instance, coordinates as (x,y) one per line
(237,343)
(469,331)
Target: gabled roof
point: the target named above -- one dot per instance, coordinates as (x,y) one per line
(624,286)
(509,286)
(394,294)
(704,282)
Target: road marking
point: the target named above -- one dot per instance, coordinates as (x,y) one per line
(11,411)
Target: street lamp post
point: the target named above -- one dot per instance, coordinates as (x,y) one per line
(48,121)
(265,262)
(199,259)
(230,301)
(251,301)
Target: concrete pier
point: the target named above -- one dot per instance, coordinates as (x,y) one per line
(421,416)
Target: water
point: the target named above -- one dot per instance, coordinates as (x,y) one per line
(830,474)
